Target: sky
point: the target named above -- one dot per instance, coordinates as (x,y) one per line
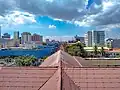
(60,19)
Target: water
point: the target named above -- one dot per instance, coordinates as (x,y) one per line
(37,53)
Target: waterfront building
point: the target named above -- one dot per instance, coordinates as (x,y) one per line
(16,35)
(26,37)
(12,43)
(6,36)
(37,38)
(30,45)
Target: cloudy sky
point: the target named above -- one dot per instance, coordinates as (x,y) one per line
(60,18)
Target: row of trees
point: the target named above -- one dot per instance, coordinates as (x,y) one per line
(78,50)
(96,51)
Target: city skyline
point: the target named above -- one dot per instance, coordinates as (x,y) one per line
(57,38)
(16,35)
(62,18)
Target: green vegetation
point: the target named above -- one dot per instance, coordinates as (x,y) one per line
(98,52)
(25,60)
(76,49)
(19,60)
(95,50)
(102,51)
(44,43)
(109,45)
(44,58)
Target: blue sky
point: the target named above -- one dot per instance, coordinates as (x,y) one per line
(60,18)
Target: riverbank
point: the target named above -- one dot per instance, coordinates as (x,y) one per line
(38,53)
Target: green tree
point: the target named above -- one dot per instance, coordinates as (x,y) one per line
(45,57)
(102,51)
(76,50)
(71,50)
(109,45)
(44,43)
(24,60)
(95,50)
(81,51)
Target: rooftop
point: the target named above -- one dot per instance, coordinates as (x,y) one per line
(63,57)
(54,78)
(60,76)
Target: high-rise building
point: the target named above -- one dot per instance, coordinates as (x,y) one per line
(95,38)
(16,35)
(36,37)
(99,38)
(88,39)
(26,37)
(41,38)
(6,36)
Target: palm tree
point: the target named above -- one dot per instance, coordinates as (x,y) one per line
(102,51)
(81,51)
(95,50)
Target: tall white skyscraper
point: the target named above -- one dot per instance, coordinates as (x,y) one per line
(88,39)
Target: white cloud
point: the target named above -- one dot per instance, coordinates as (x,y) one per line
(50,1)
(107,5)
(108,27)
(52,27)
(80,23)
(17,18)
(56,19)
(101,12)
(86,21)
